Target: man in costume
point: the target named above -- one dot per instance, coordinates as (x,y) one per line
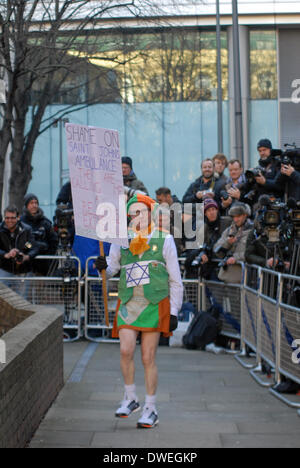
(150,297)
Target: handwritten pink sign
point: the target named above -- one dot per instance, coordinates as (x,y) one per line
(97,183)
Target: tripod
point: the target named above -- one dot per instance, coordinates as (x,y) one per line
(293,286)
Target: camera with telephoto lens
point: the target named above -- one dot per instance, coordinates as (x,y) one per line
(205,250)
(223,263)
(224,193)
(19,257)
(270,218)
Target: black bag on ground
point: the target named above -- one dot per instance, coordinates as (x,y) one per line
(202,330)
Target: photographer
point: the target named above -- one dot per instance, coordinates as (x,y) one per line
(231,246)
(17,246)
(204,186)
(45,237)
(261,250)
(232,191)
(288,180)
(129,177)
(260,180)
(215,225)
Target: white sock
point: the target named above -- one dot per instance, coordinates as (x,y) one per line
(130,391)
(150,401)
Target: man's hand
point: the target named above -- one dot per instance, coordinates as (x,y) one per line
(270,263)
(227,203)
(101,263)
(199,195)
(261,180)
(173,323)
(234,193)
(204,258)
(287,170)
(231,261)
(11,254)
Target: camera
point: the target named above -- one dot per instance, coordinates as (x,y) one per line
(205,250)
(289,157)
(19,257)
(223,263)
(251,174)
(224,193)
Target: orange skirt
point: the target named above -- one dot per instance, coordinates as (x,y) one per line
(163,321)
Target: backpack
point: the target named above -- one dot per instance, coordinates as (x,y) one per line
(202,330)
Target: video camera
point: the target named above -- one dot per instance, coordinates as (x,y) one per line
(63,221)
(270,218)
(289,157)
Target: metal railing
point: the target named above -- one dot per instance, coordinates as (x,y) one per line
(62,291)
(271,327)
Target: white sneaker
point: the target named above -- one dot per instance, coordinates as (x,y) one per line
(148,419)
(212,348)
(127,407)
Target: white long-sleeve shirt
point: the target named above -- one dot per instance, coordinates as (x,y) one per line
(172,266)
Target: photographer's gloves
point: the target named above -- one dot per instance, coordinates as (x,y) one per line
(173,322)
(101,263)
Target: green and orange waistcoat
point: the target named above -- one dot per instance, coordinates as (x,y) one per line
(158,287)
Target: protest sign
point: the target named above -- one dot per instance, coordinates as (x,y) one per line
(97,183)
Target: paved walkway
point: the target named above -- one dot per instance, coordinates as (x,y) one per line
(203,401)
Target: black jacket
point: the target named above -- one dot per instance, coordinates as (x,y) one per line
(45,236)
(198,185)
(289,185)
(21,236)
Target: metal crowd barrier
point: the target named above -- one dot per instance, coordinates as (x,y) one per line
(95,328)
(270,326)
(63,292)
(227,298)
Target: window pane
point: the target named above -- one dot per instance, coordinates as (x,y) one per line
(263,65)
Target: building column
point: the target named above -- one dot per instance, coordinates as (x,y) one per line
(245,90)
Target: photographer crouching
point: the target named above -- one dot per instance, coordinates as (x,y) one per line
(17,249)
(199,261)
(231,246)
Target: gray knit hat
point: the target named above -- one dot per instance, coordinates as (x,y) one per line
(239,209)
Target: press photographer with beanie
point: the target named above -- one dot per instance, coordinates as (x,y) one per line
(129,177)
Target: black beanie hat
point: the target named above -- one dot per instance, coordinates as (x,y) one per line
(265,143)
(127,160)
(28,197)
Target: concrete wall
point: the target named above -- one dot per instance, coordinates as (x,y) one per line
(33,373)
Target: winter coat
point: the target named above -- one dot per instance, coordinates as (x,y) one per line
(45,236)
(18,239)
(198,186)
(233,273)
(133,182)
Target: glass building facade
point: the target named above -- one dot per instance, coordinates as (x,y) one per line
(159,90)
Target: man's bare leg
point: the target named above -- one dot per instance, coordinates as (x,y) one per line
(130,403)
(127,348)
(149,417)
(148,348)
